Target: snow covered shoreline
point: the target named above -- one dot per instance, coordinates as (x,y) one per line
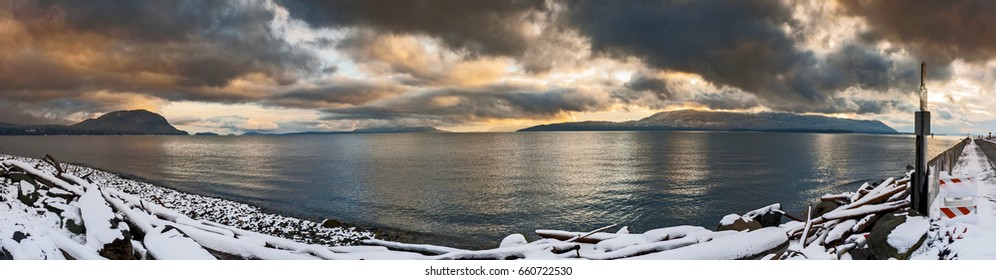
(50,210)
(30,207)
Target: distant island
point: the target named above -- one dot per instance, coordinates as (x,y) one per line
(136,122)
(402,129)
(695,120)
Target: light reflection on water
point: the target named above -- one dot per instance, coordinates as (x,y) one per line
(471,190)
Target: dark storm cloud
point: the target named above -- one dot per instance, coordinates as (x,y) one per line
(937,31)
(644,83)
(14,113)
(487,27)
(741,44)
(854,65)
(860,66)
(178,50)
(461,105)
(336,93)
(646,90)
(736,43)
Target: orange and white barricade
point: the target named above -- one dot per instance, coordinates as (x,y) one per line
(958,197)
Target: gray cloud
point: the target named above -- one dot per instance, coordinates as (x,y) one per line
(487,27)
(936,31)
(644,83)
(740,44)
(177,50)
(726,99)
(336,93)
(735,43)
(454,106)
(55,55)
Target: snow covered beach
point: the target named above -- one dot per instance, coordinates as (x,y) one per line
(73,212)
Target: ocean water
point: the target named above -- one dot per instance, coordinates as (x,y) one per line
(472,189)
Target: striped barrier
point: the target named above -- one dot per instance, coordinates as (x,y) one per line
(954,212)
(959,197)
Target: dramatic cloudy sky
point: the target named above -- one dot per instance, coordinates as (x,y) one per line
(282,66)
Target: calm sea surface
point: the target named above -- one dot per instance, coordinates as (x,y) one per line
(471,190)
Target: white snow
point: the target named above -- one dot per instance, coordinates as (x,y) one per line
(863,210)
(840,230)
(513,240)
(864,222)
(623,230)
(74,249)
(167,243)
(753,215)
(651,236)
(97,216)
(729,219)
(973,236)
(734,246)
(907,234)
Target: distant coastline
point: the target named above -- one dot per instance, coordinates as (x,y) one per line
(136,122)
(693,120)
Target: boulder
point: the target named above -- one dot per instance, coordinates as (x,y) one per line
(737,223)
(768,216)
(823,207)
(119,249)
(331,223)
(897,235)
(513,240)
(18,236)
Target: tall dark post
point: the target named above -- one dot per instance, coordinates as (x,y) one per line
(920,193)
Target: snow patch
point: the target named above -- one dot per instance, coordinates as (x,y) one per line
(97,216)
(907,234)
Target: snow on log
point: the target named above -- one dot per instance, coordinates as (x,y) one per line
(237,247)
(746,245)
(652,247)
(139,219)
(651,236)
(839,232)
(415,248)
(591,232)
(865,210)
(865,223)
(806,227)
(169,243)
(863,190)
(567,235)
(646,248)
(536,250)
(901,195)
(103,232)
(72,248)
(45,177)
(27,249)
(837,198)
(273,241)
(883,191)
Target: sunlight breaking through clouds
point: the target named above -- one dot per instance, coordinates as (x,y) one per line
(487,66)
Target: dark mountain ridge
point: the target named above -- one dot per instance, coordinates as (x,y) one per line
(727,121)
(135,122)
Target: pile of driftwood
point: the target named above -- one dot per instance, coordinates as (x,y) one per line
(842,222)
(839,224)
(105,223)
